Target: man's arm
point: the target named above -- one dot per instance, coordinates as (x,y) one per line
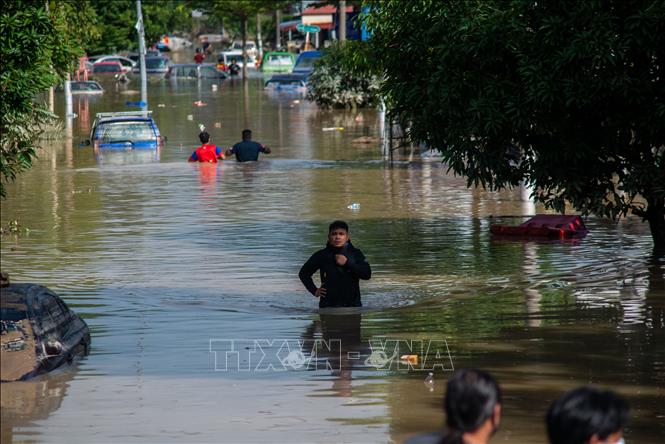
(231,150)
(358,265)
(265,149)
(193,157)
(306,272)
(219,152)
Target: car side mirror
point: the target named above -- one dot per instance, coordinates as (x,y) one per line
(85,142)
(53,348)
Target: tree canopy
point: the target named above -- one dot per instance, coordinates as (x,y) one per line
(573,92)
(115,21)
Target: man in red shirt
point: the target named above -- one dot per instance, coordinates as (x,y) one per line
(206,152)
(199,57)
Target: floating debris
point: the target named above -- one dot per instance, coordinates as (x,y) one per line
(366,140)
(14,227)
(411,359)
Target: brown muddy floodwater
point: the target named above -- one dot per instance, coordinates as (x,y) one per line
(202,332)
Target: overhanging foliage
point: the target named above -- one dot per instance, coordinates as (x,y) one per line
(575,89)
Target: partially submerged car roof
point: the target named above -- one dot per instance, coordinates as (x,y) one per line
(119,116)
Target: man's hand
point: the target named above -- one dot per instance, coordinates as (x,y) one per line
(320,292)
(340,259)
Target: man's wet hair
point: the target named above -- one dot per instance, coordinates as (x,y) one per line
(583,412)
(246,134)
(338,224)
(471,396)
(204,137)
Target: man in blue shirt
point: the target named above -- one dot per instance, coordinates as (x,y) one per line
(247,150)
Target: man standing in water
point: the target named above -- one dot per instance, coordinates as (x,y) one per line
(247,150)
(341,266)
(206,152)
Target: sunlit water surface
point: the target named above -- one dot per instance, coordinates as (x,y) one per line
(166,259)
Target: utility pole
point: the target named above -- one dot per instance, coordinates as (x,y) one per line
(144,77)
(342,20)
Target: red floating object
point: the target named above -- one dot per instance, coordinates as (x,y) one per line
(545,225)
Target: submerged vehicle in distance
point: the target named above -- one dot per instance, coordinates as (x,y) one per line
(278,62)
(305,63)
(104,71)
(39,332)
(154,66)
(125,130)
(86,87)
(194,71)
(286,83)
(551,226)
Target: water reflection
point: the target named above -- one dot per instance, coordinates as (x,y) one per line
(25,402)
(343,348)
(127,157)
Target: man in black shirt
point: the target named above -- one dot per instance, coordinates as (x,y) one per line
(247,150)
(340,266)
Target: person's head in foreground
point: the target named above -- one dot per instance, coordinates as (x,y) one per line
(473,407)
(587,415)
(204,137)
(338,233)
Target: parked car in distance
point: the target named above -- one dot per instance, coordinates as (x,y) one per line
(194,71)
(127,64)
(305,62)
(278,62)
(125,130)
(225,58)
(134,56)
(250,47)
(287,83)
(154,66)
(108,71)
(38,332)
(86,87)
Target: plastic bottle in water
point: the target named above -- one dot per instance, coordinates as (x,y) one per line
(354,206)
(429,381)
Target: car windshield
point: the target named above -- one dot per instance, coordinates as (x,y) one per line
(106,68)
(285,82)
(307,62)
(155,63)
(279,59)
(86,86)
(132,131)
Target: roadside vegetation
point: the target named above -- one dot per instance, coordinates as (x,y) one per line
(38,46)
(343,77)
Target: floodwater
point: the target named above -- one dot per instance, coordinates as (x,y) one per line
(187,276)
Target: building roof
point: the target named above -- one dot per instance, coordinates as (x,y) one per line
(326,9)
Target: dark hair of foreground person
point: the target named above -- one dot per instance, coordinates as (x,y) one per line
(473,407)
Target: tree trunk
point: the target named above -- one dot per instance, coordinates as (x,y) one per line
(278,36)
(342,20)
(655,214)
(259,41)
(243,24)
